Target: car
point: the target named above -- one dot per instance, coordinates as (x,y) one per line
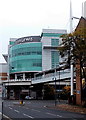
(28,97)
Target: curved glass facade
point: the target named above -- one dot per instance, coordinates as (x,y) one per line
(25,57)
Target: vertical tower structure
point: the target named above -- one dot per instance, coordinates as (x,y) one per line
(84,9)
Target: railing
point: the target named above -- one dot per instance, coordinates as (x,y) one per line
(15,80)
(50,77)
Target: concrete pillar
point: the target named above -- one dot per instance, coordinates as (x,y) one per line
(23,76)
(78,84)
(15,76)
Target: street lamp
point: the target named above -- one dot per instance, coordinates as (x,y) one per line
(55,87)
(59,85)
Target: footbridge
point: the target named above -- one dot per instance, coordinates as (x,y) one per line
(58,74)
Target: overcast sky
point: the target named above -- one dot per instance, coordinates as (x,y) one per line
(19,18)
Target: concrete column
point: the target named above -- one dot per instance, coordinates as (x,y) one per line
(78,84)
(15,76)
(23,76)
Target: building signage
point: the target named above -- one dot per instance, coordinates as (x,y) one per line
(22,40)
(78,91)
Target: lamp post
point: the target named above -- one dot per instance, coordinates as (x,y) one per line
(59,84)
(55,87)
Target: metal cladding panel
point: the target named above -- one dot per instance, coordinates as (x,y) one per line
(46,60)
(3,68)
(46,53)
(54,31)
(50,39)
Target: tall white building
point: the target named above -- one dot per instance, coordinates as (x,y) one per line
(50,41)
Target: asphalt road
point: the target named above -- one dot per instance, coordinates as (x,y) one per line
(0,108)
(37,109)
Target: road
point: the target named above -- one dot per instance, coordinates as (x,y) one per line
(37,109)
(0,108)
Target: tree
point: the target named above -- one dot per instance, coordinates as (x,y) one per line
(73,46)
(49,92)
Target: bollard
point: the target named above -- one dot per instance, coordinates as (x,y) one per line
(21,102)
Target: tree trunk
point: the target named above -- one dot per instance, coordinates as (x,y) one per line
(78,83)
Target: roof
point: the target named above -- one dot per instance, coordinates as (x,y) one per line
(5,57)
(81,24)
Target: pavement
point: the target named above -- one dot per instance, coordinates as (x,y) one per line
(69,107)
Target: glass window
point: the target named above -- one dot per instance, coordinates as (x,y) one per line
(54,42)
(54,58)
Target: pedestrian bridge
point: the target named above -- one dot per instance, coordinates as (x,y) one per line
(13,82)
(51,76)
(42,77)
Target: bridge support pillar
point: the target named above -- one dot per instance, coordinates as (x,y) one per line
(23,76)
(15,76)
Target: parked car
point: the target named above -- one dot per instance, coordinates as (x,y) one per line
(28,98)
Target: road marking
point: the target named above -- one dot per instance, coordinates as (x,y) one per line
(10,108)
(51,114)
(16,111)
(59,115)
(27,115)
(35,110)
(6,116)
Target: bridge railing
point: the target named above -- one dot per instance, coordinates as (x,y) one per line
(50,76)
(15,80)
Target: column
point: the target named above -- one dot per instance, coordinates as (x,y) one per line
(23,76)
(15,76)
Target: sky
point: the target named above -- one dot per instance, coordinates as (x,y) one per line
(20,18)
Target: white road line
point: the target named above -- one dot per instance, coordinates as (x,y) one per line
(59,115)
(35,110)
(6,116)
(53,114)
(10,108)
(28,115)
(50,114)
(16,111)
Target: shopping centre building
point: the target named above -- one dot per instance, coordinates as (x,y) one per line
(32,54)
(28,56)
